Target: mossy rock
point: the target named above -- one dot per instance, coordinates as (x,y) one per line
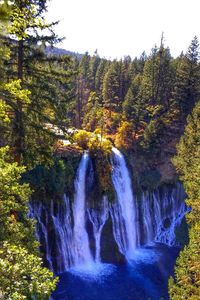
(53,182)
(150,179)
(182,233)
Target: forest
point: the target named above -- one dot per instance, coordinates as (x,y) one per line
(54,106)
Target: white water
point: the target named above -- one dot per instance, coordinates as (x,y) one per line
(98,219)
(147,214)
(136,222)
(123,212)
(41,229)
(64,235)
(82,253)
(169,215)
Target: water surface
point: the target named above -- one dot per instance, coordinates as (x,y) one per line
(144,277)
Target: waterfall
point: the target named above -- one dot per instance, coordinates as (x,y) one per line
(64,230)
(82,254)
(98,218)
(169,213)
(37,212)
(147,213)
(64,236)
(161,213)
(123,212)
(54,232)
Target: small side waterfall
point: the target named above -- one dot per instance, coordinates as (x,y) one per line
(54,232)
(82,253)
(98,219)
(123,212)
(169,213)
(37,212)
(64,235)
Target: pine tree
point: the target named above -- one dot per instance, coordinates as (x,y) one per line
(133,106)
(48,82)
(186,284)
(114,86)
(82,88)
(21,273)
(100,73)
(157,78)
(94,63)
(186,88)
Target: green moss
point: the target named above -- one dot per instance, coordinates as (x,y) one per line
(150,179)
(102,184)
(182,235)
(53,182)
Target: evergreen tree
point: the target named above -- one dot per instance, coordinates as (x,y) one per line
(82,88)
(93,113)
(94,63)
(133,106)
(186,87)
(157,78)
(100,73)
(114,86)
(186,284)
(48,82)
(21,273)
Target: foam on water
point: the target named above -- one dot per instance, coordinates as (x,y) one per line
(144,255)
(93,271)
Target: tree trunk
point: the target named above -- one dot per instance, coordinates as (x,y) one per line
(18,130)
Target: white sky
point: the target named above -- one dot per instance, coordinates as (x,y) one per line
(125,27)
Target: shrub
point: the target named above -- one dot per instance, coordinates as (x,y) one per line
(82,138)
(124,136)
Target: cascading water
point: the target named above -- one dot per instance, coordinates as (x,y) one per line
(98,218)
(123,212)
(147,213)
(54,232)
(152,218)
(65,239)
(169,212)
(64,236)
(36,212)
(82,254)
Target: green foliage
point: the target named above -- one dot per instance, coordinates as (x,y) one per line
(100,150)
(182,234)
(188,158)
(21,275)
(98,144)
(82,138)
(124,136)
(114,87)
(154,93)
(186,284)
(35,87)
(4,119)
(13,202)
(186,85)
(133,105)
(150,141)
(53,182)
(94,117)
